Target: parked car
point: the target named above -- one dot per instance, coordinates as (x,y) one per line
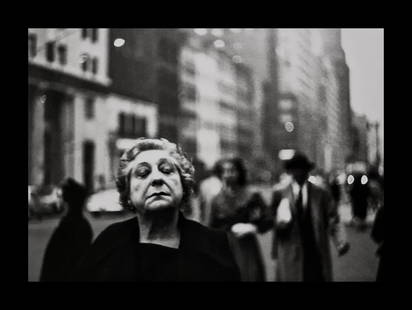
(103,202)
(44,201)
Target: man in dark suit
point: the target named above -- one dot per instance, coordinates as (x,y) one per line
(305,214)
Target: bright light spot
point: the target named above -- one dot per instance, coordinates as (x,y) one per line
(286,154)
(364,179)
(43,99)
(235,30)
(217,32)
(119,42)
(219,44)
(350,179)
(289,126)
(313,179)
(200,31)
(237,59)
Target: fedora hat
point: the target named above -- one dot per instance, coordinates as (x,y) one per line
(299,160)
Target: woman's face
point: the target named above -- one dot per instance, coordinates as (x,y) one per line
(155,181)
(229,173)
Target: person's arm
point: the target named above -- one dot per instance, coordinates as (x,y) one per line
(260,214)
(377,228)
(336,228)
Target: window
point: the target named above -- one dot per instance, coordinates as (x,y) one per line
(190,92)
(95,34)
(131,126)
(32,45)
(85,62)
(167,50)
(140,126)
(50,46)
(84,33)
(95,63)
(62,54)
(89,108)
(121,124)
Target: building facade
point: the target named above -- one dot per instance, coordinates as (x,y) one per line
(67,92)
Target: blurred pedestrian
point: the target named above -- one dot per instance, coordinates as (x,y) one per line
(242,213)
(193,209)
(335,187)
(155,181)
(378,235)
(208,189)
(72,237)
(304,215)
(359,195)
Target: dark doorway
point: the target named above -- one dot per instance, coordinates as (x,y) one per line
(53,146)
(88,165)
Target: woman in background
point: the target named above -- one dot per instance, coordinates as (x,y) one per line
(242,213)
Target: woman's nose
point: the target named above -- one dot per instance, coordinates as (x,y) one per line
(157,178)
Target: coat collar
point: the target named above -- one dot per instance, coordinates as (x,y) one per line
(191,233)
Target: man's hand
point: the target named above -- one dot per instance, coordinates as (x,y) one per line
(283,214)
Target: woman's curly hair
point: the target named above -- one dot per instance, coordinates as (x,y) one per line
(184,167)
(238,164)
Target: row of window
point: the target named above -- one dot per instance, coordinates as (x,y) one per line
(59,51)
(89,63)
(131,125)
(92,33)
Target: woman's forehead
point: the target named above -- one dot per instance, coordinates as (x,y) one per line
(228,165)
(153,157)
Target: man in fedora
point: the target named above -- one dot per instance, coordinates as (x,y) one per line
(305,217)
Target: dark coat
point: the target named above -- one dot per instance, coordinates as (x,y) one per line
(287,244)
(378,235)
(117,255)
(67,245)
(246,206)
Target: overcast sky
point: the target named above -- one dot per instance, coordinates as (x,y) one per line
(364,56)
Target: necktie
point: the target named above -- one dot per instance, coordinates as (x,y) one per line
(299,204)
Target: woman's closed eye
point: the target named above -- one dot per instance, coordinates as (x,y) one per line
(142,171)
(166,168)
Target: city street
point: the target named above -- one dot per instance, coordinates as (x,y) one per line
(360,263)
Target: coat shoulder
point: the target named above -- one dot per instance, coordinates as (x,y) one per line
(213,243)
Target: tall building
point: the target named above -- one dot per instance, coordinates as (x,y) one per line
(340,122)
(297,104)
(209,99)
(360,130)
(313,105)
(132,108)
(68,88)
(146,67)
(255,48)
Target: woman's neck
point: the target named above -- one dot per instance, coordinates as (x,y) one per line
(160,227)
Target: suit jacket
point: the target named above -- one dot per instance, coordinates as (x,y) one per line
(287,246)
(117,255)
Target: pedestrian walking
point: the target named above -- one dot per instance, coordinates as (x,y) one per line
(208,189)
(359,192)
(305,214)
(242,213)
(72,237)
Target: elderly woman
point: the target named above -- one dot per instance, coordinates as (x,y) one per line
(243,213)
(155,181)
